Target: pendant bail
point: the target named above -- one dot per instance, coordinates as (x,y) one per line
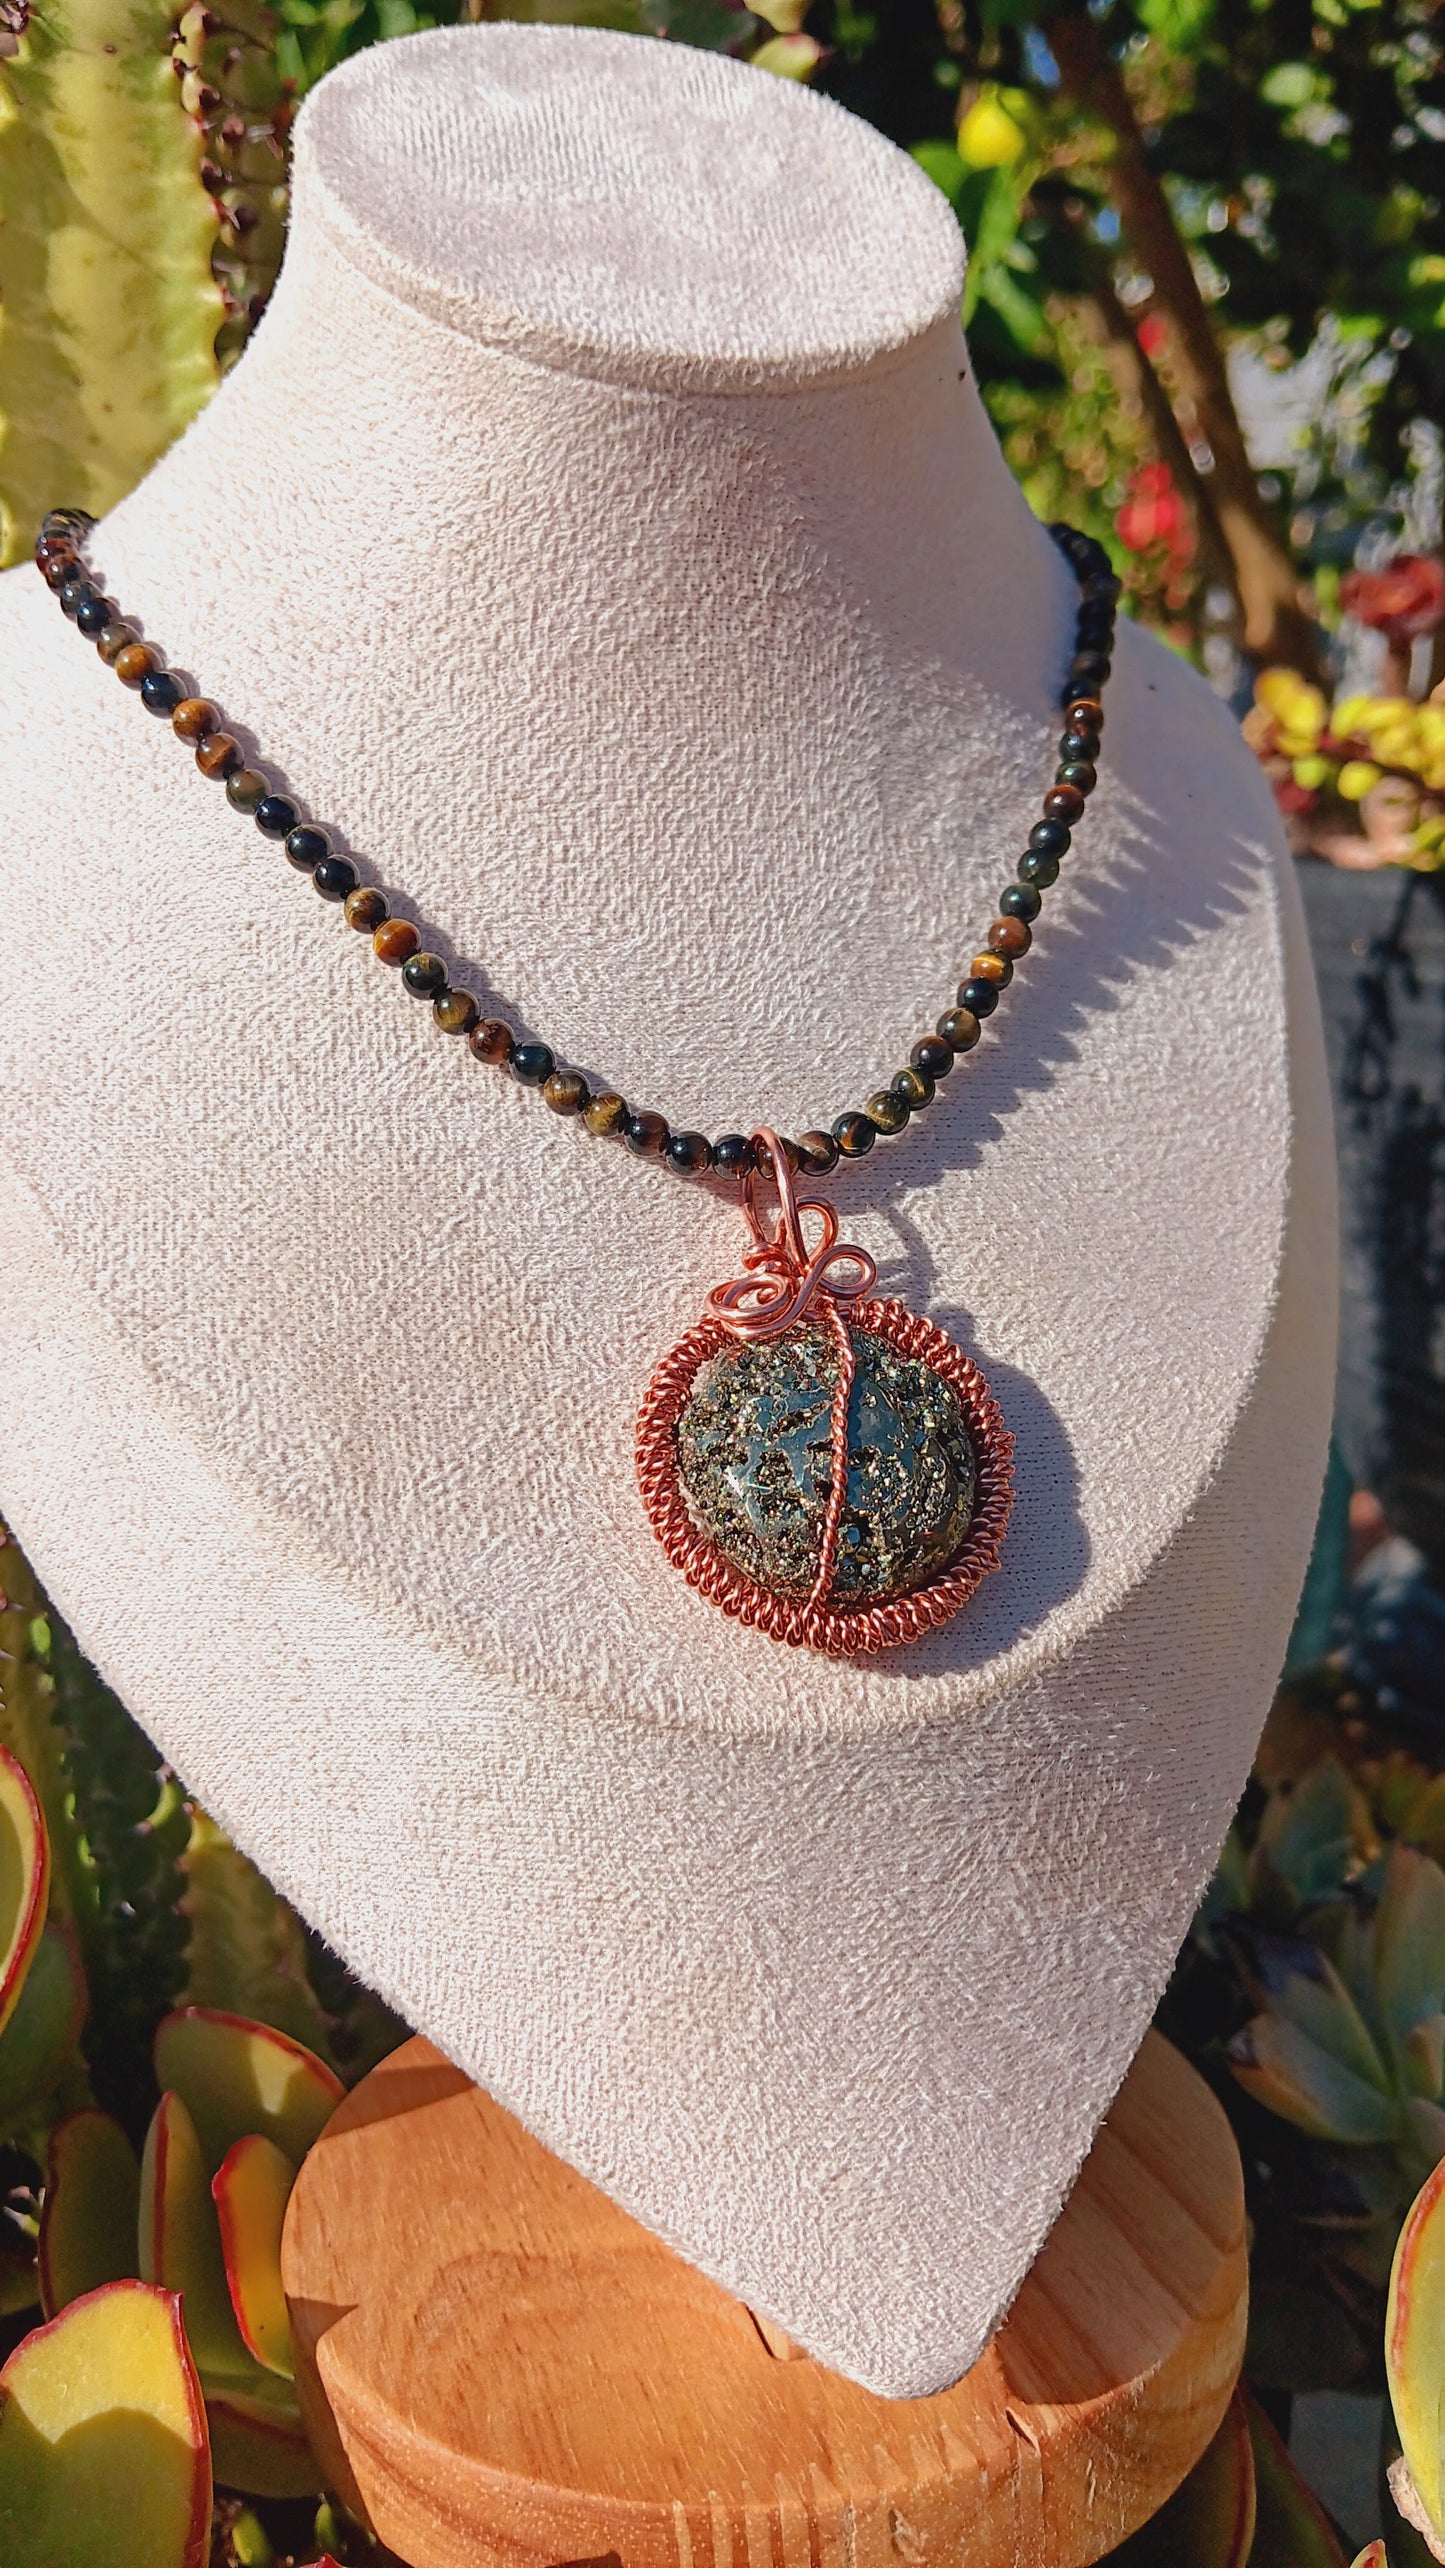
(782,1275)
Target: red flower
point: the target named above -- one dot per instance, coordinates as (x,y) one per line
(1403,601)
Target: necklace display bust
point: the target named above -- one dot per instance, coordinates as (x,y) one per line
(604,534)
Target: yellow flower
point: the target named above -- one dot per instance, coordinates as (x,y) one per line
(988,137)
(1355,779)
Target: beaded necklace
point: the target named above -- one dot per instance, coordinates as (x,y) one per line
(829,1468)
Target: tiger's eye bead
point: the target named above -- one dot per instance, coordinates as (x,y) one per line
(933,1056)
(396,941)
(992,967)
(1084,713)
(135,662)
(456,1012)
(59,568)
(335,878)
(565,1092)
(607,1114)
(854,1135)
(425,976)
(732,1156)
(276,816)
(193,718)
(915,1088)
(1063,802)
(763,1157)
(305,846)
(531,1063)
(75,593)
(960,1029)
(1079,773)
(887,1110)
(160,692)
(1087,670)
(1079,744)
(246,788)
(1020,900)
(1009,936)
(115,639)
(365,909)
(491,1041)
(94,614)
(218,755)
(646,1135)
(817,1151)
(979,997)
(688,1152)
(1038,868)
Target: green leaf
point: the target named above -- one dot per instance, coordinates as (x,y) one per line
(1282,2068)
(247,1953)
(40,2039)
(1409,1944)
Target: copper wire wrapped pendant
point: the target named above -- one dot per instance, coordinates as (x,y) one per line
(829,1468)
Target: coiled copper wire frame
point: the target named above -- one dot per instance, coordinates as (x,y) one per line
(815,1624)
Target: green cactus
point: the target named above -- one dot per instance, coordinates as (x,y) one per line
(109,310)
(247,1951)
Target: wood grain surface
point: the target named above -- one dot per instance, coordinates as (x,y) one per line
(500,2369)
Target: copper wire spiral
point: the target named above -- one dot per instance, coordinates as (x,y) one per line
(814,1624)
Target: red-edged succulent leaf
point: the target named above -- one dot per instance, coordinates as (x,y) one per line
(88,2218)
(45,2027)
(258,2442)
(237,2078)
(104,2456)
(1415,2346)
(180,2243)
(24,1880)
(1291,2526)
(251,2188)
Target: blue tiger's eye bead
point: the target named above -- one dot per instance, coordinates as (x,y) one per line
(425,976)
(306,846)
(732,1156)
(854,1134)
(1021,900)
(160,692)
(688,1152)
(335,878)
(276,816)
(979,997)
(93,617)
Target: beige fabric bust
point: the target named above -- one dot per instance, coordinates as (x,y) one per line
(605,535)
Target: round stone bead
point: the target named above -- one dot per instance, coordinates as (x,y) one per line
(134,664)
(366,909)
(755,1458)
(425,975)
(531,1063)
(245,788)
(889,1112)
(1094,630)
(456,1012)
(59,568)
(113,640)
(75,593)
(1078,744)
(607,1114)
(1063,802)
(1038,869)
(1020,900)
(305,846)
(732,1156)
(817,1152)
(1084,713)
(979,997)
(565,1092)
(1051,837)
(932,1055)
(854,1135)
(1080,773)
(276,815)
(335,878)
(646,1135)
(915,1088)
(1087,670)
(92,618)
(1009,937)
(491,1041)
(218,755)
(160,692)
(688,1152)
(989,966)
(396,941)
(763,1157)
(960,1029)
(193,718)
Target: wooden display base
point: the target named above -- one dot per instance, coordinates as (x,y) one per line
(499,2369)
